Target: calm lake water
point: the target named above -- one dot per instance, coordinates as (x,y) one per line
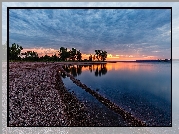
(143,89)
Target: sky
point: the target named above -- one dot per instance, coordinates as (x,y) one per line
(126,34)
(175,49)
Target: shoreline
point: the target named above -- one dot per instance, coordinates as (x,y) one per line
(90,62)
(40,85)
(111,105)
(37,97)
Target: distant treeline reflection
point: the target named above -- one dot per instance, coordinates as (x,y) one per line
(75,70)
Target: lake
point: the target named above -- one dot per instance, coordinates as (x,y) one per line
(141,88)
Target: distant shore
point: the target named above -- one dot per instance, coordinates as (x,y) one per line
(59,62)
(93,62)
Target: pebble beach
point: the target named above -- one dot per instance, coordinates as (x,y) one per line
(37,97)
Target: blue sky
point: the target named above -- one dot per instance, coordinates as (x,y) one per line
(118,31)
(175,41)
(149,48)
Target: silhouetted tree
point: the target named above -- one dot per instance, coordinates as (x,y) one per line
(64,55)
(79,56)
(73,54)
(94,57)
(14,52)
(103,55)
(30,56)
(90,57)
(97,54)
(54,58)
(45,58)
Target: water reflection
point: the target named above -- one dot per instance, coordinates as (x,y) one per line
(101,70)
(143,89)
(131,66)
(73,70)
(76,70)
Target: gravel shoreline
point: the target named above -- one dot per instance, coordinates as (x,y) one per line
(37,97)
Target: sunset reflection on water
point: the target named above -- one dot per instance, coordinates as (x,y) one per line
(102,69)
(132,66)
(141,88)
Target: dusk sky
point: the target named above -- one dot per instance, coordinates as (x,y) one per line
(126,34)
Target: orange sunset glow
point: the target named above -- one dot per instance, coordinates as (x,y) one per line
(90,30)
(110,57)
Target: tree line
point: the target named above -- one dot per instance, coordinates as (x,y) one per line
(63,55)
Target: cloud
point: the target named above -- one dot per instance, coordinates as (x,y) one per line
(116,31)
